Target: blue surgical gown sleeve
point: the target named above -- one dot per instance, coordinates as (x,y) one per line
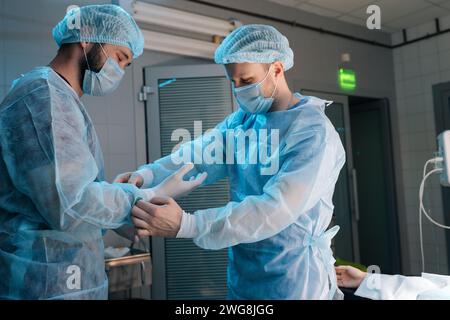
(51,153)
(156,172)
(311,160)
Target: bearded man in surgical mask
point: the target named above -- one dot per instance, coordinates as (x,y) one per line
(276,224)
(54,202)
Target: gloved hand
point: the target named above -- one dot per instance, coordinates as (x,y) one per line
(130,177)
(174,186)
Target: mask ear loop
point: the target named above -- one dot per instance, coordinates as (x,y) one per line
(274,90)
(259,83)
(85,57)
(267,74)
(276,84)
(104,52)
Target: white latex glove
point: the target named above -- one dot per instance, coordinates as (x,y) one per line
(174,186)
(111,252)
(134,178)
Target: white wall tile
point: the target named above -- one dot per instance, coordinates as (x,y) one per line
(429,64)
(431,126)
(412,179)
(410,51)
(445,75)
(444,59)
(427,47)
(428,81)
(429,135)
(444,42)
(400,89)
(406,159)
(413,230)
(411,68)
(119,104)
(97,109)
(445,22)
(398,55)
(420,157)
(402,124)
(411,200)
(398,71)
(405,145)
(412,86)
(428,104)
(414,104)
(419,141)
(121,139)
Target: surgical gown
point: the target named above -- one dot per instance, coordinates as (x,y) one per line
(53,200)
(275,224)
(396,287)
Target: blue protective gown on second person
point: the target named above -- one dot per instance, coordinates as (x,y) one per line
(53,200)
(276,224)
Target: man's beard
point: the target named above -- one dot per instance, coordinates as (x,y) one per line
(94,58)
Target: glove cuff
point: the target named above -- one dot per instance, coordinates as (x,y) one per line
(188,228)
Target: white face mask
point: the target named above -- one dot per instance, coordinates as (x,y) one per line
(251,99)
(106,80)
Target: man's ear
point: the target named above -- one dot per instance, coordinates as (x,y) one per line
(87,46)
(278,68)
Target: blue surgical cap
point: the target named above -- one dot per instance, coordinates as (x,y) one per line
(255,43)
(100,24)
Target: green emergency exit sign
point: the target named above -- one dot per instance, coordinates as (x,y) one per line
(347,79)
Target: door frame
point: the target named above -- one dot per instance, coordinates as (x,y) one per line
(388,159)
(342,99)
(441,98)
(152,120)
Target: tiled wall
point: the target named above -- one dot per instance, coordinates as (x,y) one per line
(418,66)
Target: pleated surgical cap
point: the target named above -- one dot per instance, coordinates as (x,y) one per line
(100,24)
(255,43)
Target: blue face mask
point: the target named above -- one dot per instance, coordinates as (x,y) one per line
(105,81)
(251,99)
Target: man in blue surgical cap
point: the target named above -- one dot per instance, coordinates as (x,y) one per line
(276,224)
(54,201)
